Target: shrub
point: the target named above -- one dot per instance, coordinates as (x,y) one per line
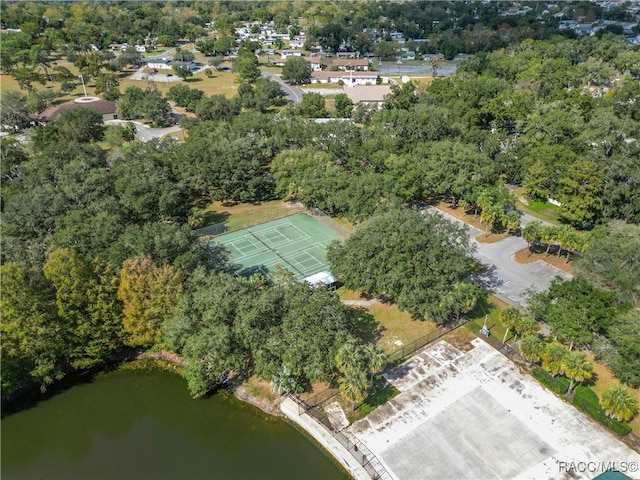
(597,413)
(559,385)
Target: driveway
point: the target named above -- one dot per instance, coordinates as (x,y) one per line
(294,94)
(506,278)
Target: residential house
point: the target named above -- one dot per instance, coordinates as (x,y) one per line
(291,53)
(296,43)
(347,54)
(104,107)
(315,62)
(347,78)
(368,95)
(352,64)
(162,64)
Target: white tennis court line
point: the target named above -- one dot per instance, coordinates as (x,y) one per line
(303,234)
(253,243)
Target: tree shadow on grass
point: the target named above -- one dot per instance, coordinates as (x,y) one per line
(213,217)
(364,325)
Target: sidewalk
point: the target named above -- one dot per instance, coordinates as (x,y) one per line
(324,438)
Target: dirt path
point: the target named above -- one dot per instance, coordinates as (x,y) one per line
(361,303)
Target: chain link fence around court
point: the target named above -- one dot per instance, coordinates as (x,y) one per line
(399,355)
(251,219)
(331,224)
(312,405)
(257,218)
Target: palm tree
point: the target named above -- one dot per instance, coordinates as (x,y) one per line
(531,233)
(376,358)
(526,326)
(350,357)
(467,296)
(549,235)
(619,403)
(354,386)
(564,234)
(576,368)
(512,220)
(552,358)
(573,242)
(509,317)
(284,382)
(492,214)
(532,348)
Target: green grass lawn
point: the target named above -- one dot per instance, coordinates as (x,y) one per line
(381,392)
(395,327)
(491,308)
(542,210)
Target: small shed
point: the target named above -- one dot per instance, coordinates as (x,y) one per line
(321,278)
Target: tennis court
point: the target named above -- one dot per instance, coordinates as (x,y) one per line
(298,243)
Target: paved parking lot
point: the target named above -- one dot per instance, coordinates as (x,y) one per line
(474,415)
(510,280)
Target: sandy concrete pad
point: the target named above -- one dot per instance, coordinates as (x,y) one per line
(475,438)
(336,416)
(475,415)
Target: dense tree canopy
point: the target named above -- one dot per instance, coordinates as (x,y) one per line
(296,70)
(227,325)
(556,115)
(420,261)
(612,260)
(574,310)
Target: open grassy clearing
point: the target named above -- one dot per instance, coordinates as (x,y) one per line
(260,388)
(222,83)
(489,308)
(542,210)
(244,215)
(396,327)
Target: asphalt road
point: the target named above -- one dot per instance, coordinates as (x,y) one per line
(294,94)
(146,133)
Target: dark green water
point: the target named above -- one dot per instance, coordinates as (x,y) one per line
(144,425)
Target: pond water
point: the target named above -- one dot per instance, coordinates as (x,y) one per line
(142,424)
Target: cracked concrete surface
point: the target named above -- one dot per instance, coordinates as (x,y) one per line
(474,415)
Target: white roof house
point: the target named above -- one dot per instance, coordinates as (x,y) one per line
(315,62)
(291,53)
(163,64)
(348,78)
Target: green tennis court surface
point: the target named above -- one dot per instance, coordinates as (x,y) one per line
(298,243)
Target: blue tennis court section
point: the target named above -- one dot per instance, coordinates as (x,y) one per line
(298,243)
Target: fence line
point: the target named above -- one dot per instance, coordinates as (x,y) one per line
(403,352)
(331,224)
(393,359)
(358,450)
(250,220)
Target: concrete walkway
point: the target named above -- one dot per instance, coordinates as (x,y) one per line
(324,438)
